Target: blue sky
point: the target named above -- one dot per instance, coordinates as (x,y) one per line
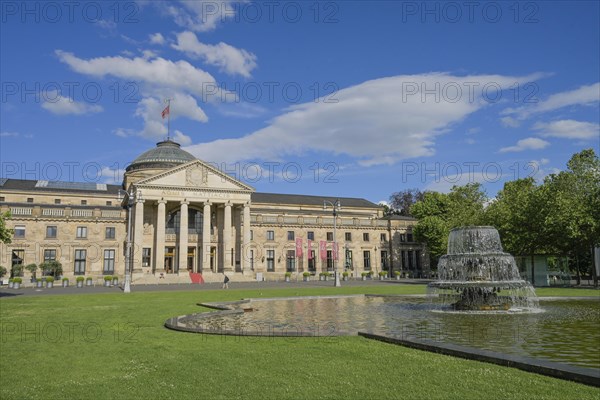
(352,98)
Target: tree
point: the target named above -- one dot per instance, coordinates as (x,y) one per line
(519,213)
(5,233)
(402,202)
(573,227)
(32,268)
(438,213)
(51,267)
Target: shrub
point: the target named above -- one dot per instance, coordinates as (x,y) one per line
(305,274)
(346,274)
(2,271)
(288,274)
(397,273)
(51,267)
(382,273)
(108,278)
(363,274)
(32,268)
(49,279)
(17,280)
(16,270)
(327,273)
(89,278)
(65,279)
(80,279)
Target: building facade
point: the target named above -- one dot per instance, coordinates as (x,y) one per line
(183,215)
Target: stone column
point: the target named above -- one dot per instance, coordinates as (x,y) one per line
(245,259)
(159,246)
(183,236)
(227,238)
(206,218)
(138,235)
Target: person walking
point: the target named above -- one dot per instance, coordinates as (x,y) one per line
(225,282)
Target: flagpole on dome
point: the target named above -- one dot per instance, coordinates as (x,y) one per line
(167,112)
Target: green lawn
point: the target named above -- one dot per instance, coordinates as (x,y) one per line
(114,346)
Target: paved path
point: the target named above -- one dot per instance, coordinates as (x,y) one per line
(59,290)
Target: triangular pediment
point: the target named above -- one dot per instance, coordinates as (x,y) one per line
(196,175)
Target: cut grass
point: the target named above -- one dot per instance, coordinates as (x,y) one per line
(115,346)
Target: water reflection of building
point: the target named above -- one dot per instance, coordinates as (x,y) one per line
(193,217)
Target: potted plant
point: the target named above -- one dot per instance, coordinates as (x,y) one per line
(89,281)
(79,281)
(382,275)
(65,282)
(49,282)
(321,276)
(32,268)
(345,275)
(115,280)
(306,276)
(39,283)
(3,272)
(371,273)
(11,283)
(16,271)
(107,280)
(326,275)
(397,275)
(17,282)
(287,276)
(52,267)
(364,275)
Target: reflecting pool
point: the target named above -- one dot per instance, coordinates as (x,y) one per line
(567,331)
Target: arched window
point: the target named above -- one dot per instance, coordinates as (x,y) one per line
(195,221)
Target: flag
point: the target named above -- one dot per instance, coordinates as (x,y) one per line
(166,112)
(323,249)
(309,249)
(335,251)
(299,247)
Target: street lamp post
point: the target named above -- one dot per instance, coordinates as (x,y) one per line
(132,195)
(336,207)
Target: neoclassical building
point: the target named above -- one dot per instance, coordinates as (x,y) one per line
(185,216)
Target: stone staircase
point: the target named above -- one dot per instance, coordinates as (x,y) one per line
(184,277)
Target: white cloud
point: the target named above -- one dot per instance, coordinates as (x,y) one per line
(470,141)
(199,15)
(157,72)
(111,176)
(510,122)
(537,170)
(62,105)
(157,38)
(568,129)
(6,134)
(375,122)
(229,59)
(584,95)
(526,144)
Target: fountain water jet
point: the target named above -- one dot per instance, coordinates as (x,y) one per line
(477,275)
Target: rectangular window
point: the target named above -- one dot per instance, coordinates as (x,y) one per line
(2,198)
(270,260)
(110,232)
(330,236)
(18,256)
(348,264)
(311,262)
(290,264)
(81,232)
(109,203)
(403,237)
(19,231)
(348,236)
(251,234)
(384,260)
(30,199)
(51,232)
(146,257)
(291,235)
(84,202)
(80,256)
(49,255)
(252,260)
(270,235)
(366,236)
(383,237)
(310,235)
(409,237)
(109,262)
(56,201)
(329,260)
(367,260)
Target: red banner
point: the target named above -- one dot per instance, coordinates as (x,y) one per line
(299,247)
(335,251)
(323,249)
(309,248)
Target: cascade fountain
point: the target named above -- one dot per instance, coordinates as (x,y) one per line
(477,275)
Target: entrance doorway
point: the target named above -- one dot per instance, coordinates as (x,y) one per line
(169,259)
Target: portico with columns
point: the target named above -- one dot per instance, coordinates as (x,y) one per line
(192,218)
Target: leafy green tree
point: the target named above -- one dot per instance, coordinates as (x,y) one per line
(402,202)
(519,213)
(52,267)
(32,268)
(438,213)
(5,233)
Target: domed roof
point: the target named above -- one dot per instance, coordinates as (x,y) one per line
(166,154)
